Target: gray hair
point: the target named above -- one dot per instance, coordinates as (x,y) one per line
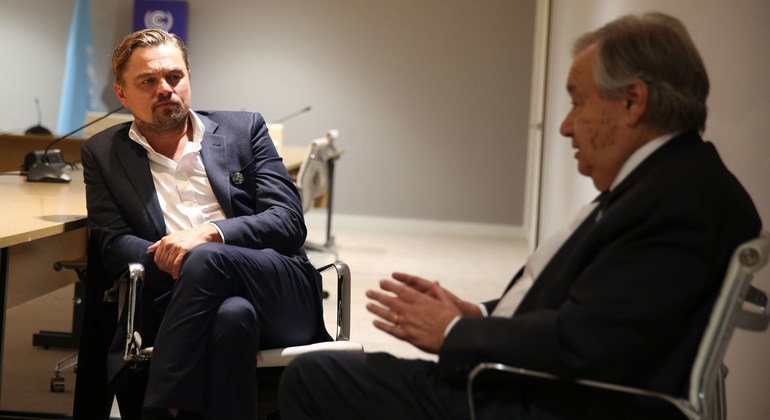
(656,49)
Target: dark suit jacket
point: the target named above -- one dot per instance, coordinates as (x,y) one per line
(124,216)
(629,300)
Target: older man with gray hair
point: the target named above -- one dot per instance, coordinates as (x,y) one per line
(622,294)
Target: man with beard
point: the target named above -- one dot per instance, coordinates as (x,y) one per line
(204,202)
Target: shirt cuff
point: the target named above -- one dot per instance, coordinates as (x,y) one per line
(454,320)
(222,235)
(451,324)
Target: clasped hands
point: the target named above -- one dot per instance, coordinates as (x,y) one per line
(171,249)
(416,310)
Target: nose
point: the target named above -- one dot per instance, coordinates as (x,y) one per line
(566,126)
(164,88)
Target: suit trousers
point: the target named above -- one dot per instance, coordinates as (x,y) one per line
(379,386)
(228,303)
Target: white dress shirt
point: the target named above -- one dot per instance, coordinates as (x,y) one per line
(183,188)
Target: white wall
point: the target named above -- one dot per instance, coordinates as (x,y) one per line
(33,61)
(732,38)
(431,98)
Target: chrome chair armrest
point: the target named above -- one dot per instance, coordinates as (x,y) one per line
(124,291)
(343,298)
(683,405)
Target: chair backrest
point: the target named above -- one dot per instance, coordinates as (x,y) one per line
(313,175)
(706,375)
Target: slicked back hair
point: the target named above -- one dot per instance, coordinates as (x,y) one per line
(143,39)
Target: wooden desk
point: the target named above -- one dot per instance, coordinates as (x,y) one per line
(39,224)
(34,210)
(38,217)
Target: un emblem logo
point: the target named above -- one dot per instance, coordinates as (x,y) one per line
(158,19)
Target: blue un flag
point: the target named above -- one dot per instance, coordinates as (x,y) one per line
(79,92)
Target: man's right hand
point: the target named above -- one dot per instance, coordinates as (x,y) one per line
(171,249)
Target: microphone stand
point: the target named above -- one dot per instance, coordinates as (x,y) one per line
(292,115)
(43,171)
(38,129)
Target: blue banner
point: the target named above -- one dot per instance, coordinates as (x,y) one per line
(170,15)
(79,92)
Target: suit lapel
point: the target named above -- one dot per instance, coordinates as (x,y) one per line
(214,154)
(136,167)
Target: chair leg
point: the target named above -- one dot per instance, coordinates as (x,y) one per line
(720,401)
(57,381)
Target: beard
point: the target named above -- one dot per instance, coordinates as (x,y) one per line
(168,118)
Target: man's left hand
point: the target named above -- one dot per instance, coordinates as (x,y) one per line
(171,249)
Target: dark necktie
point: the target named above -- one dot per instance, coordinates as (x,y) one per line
(602,200)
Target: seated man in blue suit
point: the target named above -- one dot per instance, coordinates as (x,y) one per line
(621,295)
(204,202)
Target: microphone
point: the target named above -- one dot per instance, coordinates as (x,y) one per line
(38,129)
(292,115)
(42,170)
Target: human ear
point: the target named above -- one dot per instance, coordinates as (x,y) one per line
(119,93)
(636,96)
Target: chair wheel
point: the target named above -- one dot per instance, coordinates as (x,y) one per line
(57,384)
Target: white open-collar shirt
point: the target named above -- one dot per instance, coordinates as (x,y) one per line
(183,188)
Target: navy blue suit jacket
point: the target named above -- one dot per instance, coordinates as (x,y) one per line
(263,211)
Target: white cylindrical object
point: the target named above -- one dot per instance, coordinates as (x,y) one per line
(276,133)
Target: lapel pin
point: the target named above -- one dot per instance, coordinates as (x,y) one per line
(237,178)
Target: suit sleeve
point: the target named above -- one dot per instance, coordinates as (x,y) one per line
(117,242)
(267,209)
